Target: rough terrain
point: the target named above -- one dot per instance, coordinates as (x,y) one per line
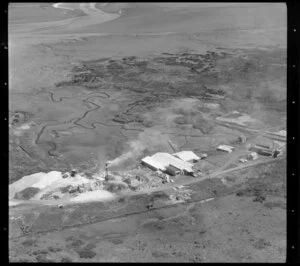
(122,81)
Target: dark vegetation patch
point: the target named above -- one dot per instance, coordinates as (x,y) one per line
(205,126)
(261,244)
(66,259)
(54,249)
(65,189)
(116,186)
(153,225)
(159,195)
(275,204)
(18,117)
(117,241)
(75,244)
(86,253)
(43,258)
(159,254)
(29,242)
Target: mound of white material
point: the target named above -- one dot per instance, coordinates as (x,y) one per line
(97,195)
(14,203)
(47,179)
(24,182)
(45,182)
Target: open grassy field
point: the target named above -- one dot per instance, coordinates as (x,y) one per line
(127,99)
(119,81)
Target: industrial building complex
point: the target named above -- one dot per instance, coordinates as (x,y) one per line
(182,162)
(177,163)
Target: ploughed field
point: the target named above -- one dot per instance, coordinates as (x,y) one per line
(107,107)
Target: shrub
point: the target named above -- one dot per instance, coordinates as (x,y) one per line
(259,198)
(77,243)
(159,195)
(66,259)
(116,186)
(159,254)
(29,242)
(127,181)
(42,258)
(65,189)
(90,246)
(86,253)
(261,244)
(53,249)
(180,120)
(40,252)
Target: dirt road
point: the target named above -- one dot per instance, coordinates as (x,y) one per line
(165,187)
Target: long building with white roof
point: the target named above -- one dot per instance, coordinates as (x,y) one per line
(187,156)
(162,160)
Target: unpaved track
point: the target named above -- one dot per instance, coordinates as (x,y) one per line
(146,210)
(165,187)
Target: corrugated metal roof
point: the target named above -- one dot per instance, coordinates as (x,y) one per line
(166,159)
(263,141)
(154,163)
(186,155)
(225,148)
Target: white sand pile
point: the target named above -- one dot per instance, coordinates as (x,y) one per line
(97,195)
(24,182)
(14,203)
(46,182)
(47,179)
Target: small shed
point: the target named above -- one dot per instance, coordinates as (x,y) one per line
(225,148)
(203,156)
(252,156)
(242,139)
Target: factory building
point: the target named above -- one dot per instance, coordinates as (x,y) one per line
(187,156)
(264,143)
(167,159)
(267,147)
(167,163)
(153,164)
(261,150)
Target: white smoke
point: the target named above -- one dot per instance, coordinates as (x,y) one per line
(148,141)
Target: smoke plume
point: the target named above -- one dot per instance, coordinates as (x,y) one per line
(148,142)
